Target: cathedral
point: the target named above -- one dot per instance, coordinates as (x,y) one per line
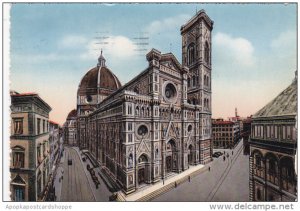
(159,123)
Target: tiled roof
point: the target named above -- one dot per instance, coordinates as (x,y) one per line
(284,104)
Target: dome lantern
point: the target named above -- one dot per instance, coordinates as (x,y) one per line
(101,60)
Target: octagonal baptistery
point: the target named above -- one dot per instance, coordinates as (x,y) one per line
(98,83)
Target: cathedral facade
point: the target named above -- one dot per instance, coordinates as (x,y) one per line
(159,123)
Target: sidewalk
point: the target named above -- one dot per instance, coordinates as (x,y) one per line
(57,183)
(159,188)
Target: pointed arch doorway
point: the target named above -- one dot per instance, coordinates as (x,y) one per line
(171,156)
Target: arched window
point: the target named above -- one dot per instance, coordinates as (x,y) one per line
(191,53)
(206,53)
(204,80)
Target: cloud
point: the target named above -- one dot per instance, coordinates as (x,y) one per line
(71,41)
(115,46)
(167,24)
(238,51)
(285,40)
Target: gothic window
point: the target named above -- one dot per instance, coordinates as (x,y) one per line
(197,80)
(189,82)
(18,154)
(204,80)
(194,81)
(190,128)
(18,125)
(206,53)
(191,53)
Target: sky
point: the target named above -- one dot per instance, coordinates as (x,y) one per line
(52,46)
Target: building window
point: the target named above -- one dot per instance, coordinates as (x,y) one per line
(18,125)
(19,193)
(38,154)
(276,131)
(18,158)
(44,130)
(283,132)
(129,109)
(288,132)
(129,137)
(206,53)
(258,194)
(191,53)
(129,126)
(38,126)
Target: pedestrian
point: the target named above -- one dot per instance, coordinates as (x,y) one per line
(208,168)
(175,184)
(189,178)
(224,158)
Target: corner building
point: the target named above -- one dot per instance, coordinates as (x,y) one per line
(159,123)
(29,144)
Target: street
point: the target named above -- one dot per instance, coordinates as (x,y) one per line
(75,184)
(226,181)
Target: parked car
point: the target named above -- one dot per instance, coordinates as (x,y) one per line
(217,154)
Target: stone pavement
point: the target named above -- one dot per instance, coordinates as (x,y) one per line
(226,181)
(149,192)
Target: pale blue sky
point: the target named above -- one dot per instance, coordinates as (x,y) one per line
(53,46)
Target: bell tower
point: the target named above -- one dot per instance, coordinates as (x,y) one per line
(196,55)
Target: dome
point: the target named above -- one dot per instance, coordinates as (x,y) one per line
(72,114)
(99,77)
